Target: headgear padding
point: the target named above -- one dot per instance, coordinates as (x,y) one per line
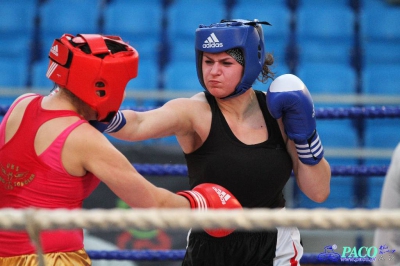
(97,75)
(245,35)
(236,54)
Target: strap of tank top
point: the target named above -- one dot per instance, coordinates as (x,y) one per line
(12,106)
(7,115)
(48,155)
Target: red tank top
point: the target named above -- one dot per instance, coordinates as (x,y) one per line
(28,180)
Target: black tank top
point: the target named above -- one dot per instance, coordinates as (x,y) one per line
(255,174)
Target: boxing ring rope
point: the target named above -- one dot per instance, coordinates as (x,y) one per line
(154,218)
(35,220)
(181,170)
(178,255)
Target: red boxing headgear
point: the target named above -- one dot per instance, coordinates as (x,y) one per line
(97,76)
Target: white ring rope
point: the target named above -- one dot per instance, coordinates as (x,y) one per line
(248,219)
(33,229)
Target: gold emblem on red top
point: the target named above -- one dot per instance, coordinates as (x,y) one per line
(12,176)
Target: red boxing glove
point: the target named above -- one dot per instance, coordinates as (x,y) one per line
(212,196)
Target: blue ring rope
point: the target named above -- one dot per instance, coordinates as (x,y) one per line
(181,170)
(177,255)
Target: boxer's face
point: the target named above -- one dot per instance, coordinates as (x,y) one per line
(221,73)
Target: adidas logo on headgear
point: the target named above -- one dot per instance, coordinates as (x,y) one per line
(212,42)
(54,50)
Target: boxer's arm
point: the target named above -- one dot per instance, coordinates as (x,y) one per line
(173,118)
(289,101)
(89,150)
(313,180)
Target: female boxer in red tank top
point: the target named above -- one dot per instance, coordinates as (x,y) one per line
(51,157)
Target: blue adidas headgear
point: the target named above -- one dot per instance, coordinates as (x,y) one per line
(246,35)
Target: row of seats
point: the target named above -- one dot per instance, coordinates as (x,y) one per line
(350,47)
(165,31)
(303,39)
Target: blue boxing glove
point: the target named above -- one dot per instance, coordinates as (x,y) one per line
(116,123)
(288,97)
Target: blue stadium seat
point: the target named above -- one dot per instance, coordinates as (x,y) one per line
(149,2)
(339,138)
(74,16)
(17,17)
(181,76)
(381,79)
(325,3)
(183,18)
(382,133)
(168,141)
(325,36)
(278,14)
(5,102)
(39,79)
(337,133)
(381,52)
(375,192)
(328,78)
(380,34)
(183,50)
(147,78)
(379,20)
(205,2)
(137,24)
(17,21)
(13,72)
(256,3)
(341,196)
